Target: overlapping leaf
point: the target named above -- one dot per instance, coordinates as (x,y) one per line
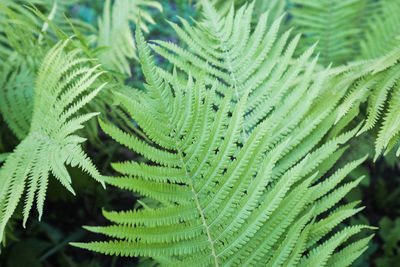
(63,85)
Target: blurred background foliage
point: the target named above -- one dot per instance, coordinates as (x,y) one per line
(45,243)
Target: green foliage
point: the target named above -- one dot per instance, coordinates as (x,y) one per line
(115,32)
(63,85)
(222,6)
(379,86)
(229,194)
(24,47)
(340,31)
(274,7)
(390,233)
(19,64)
(382,33)
(236,145)
(336,24)
(16,96)
(241,60)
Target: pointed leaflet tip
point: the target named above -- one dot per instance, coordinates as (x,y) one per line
(77,244)
(377,155)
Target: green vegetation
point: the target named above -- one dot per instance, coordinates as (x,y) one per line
(208,133)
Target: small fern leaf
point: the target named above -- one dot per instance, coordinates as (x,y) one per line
(115,31)
(338,25)
(350,253)
(381,30)
(61,89)
(16,96)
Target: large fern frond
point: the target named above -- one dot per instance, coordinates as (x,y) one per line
(225,199)
(62,87)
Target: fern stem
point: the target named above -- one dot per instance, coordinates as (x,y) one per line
(234,80)
(203,218)
(228,61)
(198,206)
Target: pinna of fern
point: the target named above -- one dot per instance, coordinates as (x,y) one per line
(379,88)
(384,102)
(227,196)
(63,85)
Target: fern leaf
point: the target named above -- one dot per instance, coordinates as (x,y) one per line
(60,91)
(382,75)
(115,31)
(350,253)
(227,196)
(16,96)
(337,25)
(382,32)
(320,255)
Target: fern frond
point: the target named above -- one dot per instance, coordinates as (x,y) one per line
(16,95)
(382,33)
(62,86)
(337,24)
(115,31)
(225,199)
(379,86)
(18,30)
